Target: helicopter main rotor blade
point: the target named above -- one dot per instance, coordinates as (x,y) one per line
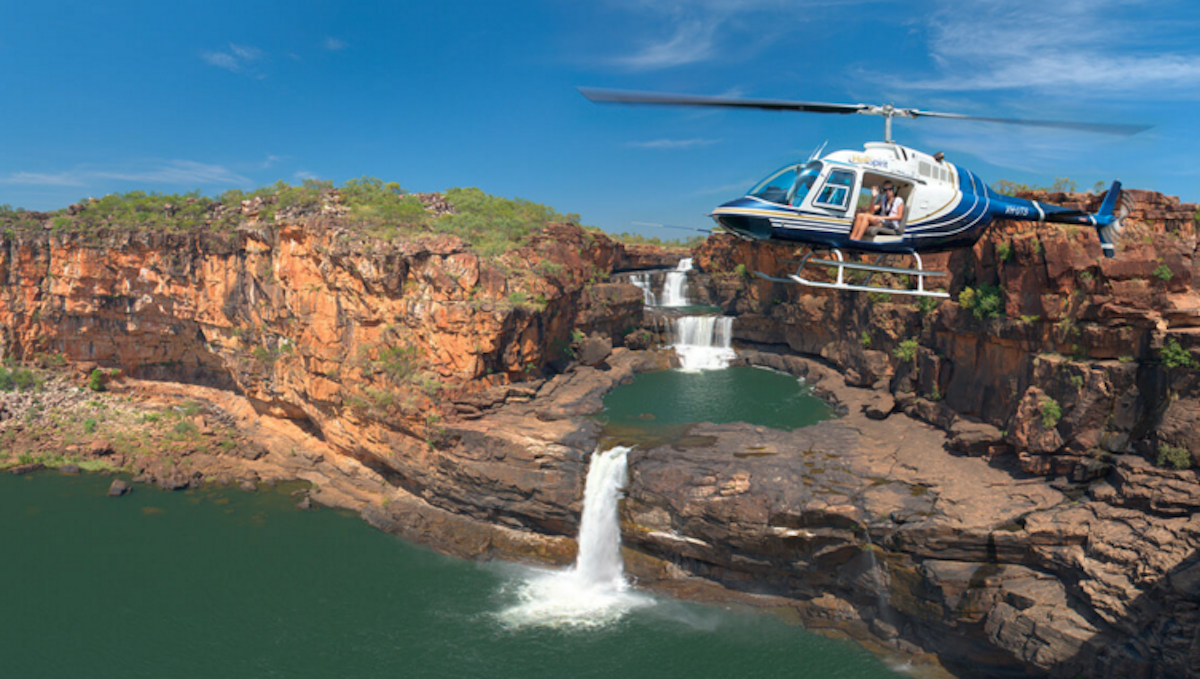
(630,97)
(1103,128)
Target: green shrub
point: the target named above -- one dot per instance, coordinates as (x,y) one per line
(986,301)
(1174,457)
(89,425)
(1086,276)
(1051,412)
(864,339)
(639,239)
(1077,381)
(740,270)
(400,364)
(493,225)
(1174,356)
(1163,273)
(906,351)
(928,304)
(96,380)
(1004,251)
(185,428)
(24,379)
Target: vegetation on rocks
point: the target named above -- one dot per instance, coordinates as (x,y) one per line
(1174,457)
(368,205)
(641,239)
(986,301)
(1175,356)
(907,350)
(1051,412)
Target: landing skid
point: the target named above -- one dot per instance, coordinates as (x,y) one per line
(842,265)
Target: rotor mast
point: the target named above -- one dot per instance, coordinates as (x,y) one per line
(888,112)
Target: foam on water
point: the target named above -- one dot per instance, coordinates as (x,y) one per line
(704,342)
(593,592)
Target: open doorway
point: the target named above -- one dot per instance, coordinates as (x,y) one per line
(876,202)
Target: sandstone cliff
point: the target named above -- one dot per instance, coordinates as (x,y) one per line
(1048,361)
(992,494)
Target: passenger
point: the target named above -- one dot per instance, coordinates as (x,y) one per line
(887,222)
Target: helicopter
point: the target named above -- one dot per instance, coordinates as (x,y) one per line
(814,203)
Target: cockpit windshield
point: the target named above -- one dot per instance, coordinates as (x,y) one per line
(788,185)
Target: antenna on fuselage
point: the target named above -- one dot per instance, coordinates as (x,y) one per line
(817,151)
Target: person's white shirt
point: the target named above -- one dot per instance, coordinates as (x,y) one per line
(895,211)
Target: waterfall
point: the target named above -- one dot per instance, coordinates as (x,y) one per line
(704,342)
(642,280)
(593,592)
(675,287)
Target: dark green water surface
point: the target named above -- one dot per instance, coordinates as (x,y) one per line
(659,406)
(220,583)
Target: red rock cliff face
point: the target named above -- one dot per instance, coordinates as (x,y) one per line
(1067,368)
(371,344)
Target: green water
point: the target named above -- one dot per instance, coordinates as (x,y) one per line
(219,583)
(657,406)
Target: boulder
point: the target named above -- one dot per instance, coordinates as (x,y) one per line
(27,468)
(594,350)
(118,488)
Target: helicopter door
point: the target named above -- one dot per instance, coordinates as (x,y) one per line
(835,193)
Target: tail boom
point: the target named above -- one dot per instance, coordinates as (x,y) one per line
(1106,221)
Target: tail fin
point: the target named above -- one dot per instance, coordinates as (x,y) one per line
(1109,219)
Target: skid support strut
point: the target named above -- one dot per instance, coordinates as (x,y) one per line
(842,265)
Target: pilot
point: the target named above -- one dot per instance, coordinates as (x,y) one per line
(887,221)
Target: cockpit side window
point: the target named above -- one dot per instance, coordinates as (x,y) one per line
(835,193)
(776,188)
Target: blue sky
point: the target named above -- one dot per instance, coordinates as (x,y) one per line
(175,96)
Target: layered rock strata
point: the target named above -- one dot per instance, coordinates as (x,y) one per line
(952,509)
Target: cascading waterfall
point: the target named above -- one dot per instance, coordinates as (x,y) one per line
(675,287)
(593,592)
(704,342)
(642,280)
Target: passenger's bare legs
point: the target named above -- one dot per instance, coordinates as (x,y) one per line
(861,222)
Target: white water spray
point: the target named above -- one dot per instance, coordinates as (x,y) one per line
(593,592)
(675,287)
(704,342)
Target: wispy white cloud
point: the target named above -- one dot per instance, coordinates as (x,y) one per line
(172,172)
(303,174)
(672,143)
(1075,46)
(334,44)
(243,59)
(681,32)
(42,179)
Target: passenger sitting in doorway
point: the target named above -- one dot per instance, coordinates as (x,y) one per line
(887,222)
